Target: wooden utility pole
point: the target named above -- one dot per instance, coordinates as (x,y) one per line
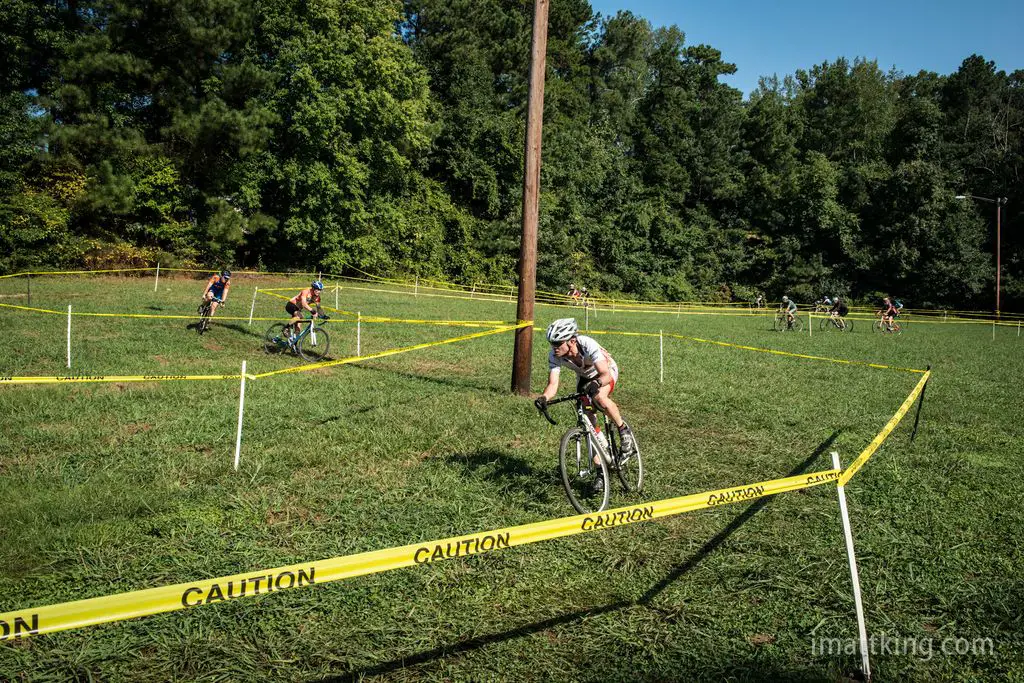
(531,196)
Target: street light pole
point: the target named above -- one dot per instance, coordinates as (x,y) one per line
(999,202)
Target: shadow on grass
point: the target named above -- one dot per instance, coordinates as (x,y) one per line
(755,668)
(445,381)
(513,475)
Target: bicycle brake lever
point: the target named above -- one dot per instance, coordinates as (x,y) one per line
(547,416)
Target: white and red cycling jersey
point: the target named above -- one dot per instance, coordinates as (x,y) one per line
(585,365)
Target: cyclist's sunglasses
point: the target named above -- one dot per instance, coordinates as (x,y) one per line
(558,345)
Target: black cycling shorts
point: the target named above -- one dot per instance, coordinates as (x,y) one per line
(292,309)
(843,310)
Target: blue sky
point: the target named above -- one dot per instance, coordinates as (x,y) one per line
(763,37)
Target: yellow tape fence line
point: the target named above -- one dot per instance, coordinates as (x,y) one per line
(83,378)
(884,434)
(759,349)
(391,352)
(99,610)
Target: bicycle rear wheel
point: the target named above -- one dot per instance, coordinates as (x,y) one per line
(798,324)
(314,346)
(580,474)
(825,324)
(273,340)
(847,325)
(630,468)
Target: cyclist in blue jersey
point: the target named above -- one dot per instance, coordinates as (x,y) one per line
(216,291)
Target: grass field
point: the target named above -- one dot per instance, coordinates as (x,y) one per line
(106,488)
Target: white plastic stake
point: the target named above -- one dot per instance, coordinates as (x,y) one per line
(810,323)
(416,289)
(157,283)
(1018,328)
(69,335)
(241,407)
(472,292)
(661,353)
(253,307)
(335,296)
(993,330)
(586,315)
(854,577)
(359,332)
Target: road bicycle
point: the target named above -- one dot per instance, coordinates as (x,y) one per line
(311,344)
(206,313)
(841,323)
(581,446)
(894,327)
(784,324)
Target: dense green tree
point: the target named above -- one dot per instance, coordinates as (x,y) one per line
(387,136)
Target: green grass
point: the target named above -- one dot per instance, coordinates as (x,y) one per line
(114,487)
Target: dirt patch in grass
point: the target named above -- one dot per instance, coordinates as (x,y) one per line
(137,427)
(211,346)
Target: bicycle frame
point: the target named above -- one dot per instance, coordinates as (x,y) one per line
(584,422)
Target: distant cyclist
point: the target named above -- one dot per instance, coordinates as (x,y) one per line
(889,312)
(301,302)
(596,371)
(839,312)
(216,291)
(790,308)
(575,294)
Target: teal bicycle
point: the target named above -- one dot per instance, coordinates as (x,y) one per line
(311,344)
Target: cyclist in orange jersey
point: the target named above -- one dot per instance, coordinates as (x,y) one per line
(301,302)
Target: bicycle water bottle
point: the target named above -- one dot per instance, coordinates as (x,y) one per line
(606,451)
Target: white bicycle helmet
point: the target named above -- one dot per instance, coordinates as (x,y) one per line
(562,330)
(785,298)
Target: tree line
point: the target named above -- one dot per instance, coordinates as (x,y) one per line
(388,137)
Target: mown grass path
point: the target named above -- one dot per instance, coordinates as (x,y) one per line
(108,488)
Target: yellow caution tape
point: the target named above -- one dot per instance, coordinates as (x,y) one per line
(758,349)
(71,378)
(84,314)
(77,272)
(82,378)
(392,352)
(100,610)
(882,435)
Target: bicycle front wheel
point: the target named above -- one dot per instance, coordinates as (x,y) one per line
(780,323)
(273,340)
(630,468)
(314,346)
(580,474)
(204,318)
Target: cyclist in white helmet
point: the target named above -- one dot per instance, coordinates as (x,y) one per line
(595,369)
